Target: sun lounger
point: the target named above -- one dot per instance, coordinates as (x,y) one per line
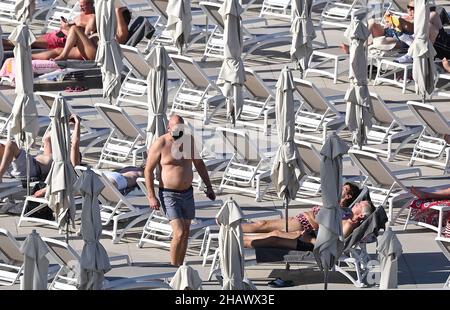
(93,134)
(388,129)
(431,146)
(317,114)
(197,95)
(125,142)
(11,259)
(67,276)
(258,104)
(251,42)
(116,208)
(444,245)
(248,171)
(385,185)
(6,114)
(354,261)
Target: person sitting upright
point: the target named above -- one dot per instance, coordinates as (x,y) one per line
(83,46)
(57,39)
(11,154)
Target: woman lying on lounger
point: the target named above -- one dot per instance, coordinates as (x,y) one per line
(305,238)
(350,192)
(83,47)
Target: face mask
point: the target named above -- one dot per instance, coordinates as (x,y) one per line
(176,134)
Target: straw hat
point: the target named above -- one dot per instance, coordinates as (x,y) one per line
(383,44)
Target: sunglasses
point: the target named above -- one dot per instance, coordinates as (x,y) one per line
(410,7)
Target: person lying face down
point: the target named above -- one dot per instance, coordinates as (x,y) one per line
(305,239)
(301,221)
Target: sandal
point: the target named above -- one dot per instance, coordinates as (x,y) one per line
(76,89)
(278,282)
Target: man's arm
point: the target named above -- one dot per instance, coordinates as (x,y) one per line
(154,157)
(75,156)
(199,164)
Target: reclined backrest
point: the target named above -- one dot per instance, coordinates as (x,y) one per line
(61,251)
(10,248)
(212,10)
(190,71)
(368,228)
(310,157)
(255,85)
(312,96)
(381,112)
(139,28)
(119,120)
(160,6)
(239,141)
(136,60)
(430,117)
(109,193)
(374,168)
(5,104)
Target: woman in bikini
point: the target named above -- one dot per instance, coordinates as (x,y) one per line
(304,239)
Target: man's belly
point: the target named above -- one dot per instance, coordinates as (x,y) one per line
(176,177)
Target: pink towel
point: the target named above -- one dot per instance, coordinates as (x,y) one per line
(39,67)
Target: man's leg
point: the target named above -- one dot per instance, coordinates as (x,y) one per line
(177,245)
(10,152)
(265,226)
(271,242)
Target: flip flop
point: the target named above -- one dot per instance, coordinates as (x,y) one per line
(278,282)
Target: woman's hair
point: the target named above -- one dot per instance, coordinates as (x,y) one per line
(353,192)
(127,16)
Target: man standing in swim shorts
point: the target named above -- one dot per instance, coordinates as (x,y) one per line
(175,153)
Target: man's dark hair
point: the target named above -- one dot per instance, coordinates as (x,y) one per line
(127,16)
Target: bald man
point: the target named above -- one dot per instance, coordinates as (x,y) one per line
(175,153)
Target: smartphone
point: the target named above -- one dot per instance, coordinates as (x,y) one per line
(63,19)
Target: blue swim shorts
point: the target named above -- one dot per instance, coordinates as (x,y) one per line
(177,204)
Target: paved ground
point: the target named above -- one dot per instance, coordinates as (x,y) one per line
(422,265)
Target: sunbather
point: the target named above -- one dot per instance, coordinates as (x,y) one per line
(57,39)
(421,207)
(11,154)
(296,223)
(125,178)
(305,238)
(83,46)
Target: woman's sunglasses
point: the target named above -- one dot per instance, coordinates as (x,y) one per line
(410,7)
